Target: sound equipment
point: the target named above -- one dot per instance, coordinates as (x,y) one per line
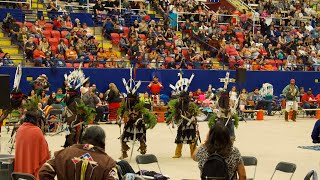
(5,91)
(241,75)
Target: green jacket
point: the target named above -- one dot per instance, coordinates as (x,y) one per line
(285,92)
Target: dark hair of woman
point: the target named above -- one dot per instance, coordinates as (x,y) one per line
(219,140)
(95,135)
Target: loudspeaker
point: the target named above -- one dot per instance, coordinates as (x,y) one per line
(5,91)
(241,75)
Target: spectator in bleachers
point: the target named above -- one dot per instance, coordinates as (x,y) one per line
(171,64)
(124,42)
(68,23)
(58,24)
(92,46)
(42,22)
(309,102)
(7,61)
(87,30)
(143,27)
(30,46)
(52,7)
(44,45)
(23,36)
(101,56)
(71,54)
(62,47)
(38,56)
(36,30)
(98,8)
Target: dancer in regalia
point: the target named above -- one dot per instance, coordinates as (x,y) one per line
(137,119)
(77,113)
(17,98)
(226,114)
(183,112)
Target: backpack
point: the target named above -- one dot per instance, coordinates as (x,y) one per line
(215,168)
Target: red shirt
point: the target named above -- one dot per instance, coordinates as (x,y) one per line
(57,24)
(155,88)
(307,98)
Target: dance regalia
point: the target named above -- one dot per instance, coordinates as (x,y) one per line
(183,113)
(137,120)
(77,117)
(226,116)
(16,104)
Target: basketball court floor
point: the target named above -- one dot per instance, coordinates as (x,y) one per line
(270,141)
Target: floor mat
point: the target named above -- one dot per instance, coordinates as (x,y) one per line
(316,148)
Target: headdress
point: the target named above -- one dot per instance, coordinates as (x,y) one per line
(76,78)
(182,84)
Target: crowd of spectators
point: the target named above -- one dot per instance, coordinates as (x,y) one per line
(285,37)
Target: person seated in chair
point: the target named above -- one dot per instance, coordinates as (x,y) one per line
(308,102)
(261,102)
(316,132)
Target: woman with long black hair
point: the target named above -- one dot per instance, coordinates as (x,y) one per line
(219,141)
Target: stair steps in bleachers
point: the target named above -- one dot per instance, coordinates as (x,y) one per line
(5,41)
(12,49)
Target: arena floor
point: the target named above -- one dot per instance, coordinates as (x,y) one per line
(271,141)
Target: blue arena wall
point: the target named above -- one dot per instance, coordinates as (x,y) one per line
(102,77)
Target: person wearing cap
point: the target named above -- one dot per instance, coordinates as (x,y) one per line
(69,163)
(308,102)
(291,92)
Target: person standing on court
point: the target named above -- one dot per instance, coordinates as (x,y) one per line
(291,92)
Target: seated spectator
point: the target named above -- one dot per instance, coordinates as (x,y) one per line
(171,64)
(110,53)
(71,54)
(68,23)
(92,46)
(59,60)
(143,27)
(44,45)
(315,135)
(47,60)
(52,7)
(101,56)
(36,30)
(108,26)
(7,61)
(30,46)
(42,22)
(58,24)
(291,61)
(23,36)
(52,99)
(261,102)
(124,42)
(169,34)
(309,102)
(98,9)
(87,29)
(38,56)
(93,145)
(111,61)
(218,141)
(62,47)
